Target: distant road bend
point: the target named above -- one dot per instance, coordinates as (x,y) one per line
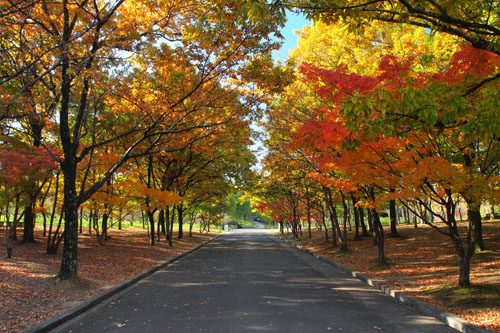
(250,281)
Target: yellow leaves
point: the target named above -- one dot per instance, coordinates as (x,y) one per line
(160,199)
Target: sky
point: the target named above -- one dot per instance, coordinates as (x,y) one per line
(294,22)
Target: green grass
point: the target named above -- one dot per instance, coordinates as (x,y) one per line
(379,267)
(474,297)
(125,224)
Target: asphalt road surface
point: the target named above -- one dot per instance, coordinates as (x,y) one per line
(251,282)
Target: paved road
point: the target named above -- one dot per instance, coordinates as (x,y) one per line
(248,282)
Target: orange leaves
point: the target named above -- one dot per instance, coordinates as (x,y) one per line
(469,62)
(25,163)
(160,199)
(338,83)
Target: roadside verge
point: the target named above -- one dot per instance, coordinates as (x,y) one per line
(422,307)
(60,319)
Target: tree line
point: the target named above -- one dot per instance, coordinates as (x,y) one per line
(392,104)
(113,107)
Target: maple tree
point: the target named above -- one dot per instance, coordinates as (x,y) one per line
(475,21)
(400,100)
(118,75)
(387,116)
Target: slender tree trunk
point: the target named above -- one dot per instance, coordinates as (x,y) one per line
(120,216)
(379,236)
(309,221)
(361,213)
(378,230)
(180,217)
(50,249)
(170,240)
(81,220)
(162,221)
(474,216)
(370,220)
(343,244)
(104,227)
(464,253)
(356,218)
(167,221)
(323,219)
(29,223)
(36,126)
(70,208)
(308,213)
(151,218)
(406,215)
(13,229)
(393,218)
(8,241)
(44,215)
(334,232)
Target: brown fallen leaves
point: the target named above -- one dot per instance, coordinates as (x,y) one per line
(29,293)
(420,262)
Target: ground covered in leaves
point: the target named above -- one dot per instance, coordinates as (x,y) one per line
(30,294)
(422,263)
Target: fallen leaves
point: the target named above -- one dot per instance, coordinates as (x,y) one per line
(422,261)
(30,294)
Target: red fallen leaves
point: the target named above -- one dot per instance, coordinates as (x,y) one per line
(422,261)
(29,293)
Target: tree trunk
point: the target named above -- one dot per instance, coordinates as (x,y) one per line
(8,241)
(343,244)
(406,215)
(104,226)
(29,224)
(370,220)
(70,208)
(161,223)
(170,240)
(361,213)
(167,222)
(36,126)
(81,220)
(151,218)
(464,273)
(44,215)
(120,216)
(309,221)
(308,213)
(323,219)
(379,237)
(356,218)
(180,217)
(393,218)
(474,216)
